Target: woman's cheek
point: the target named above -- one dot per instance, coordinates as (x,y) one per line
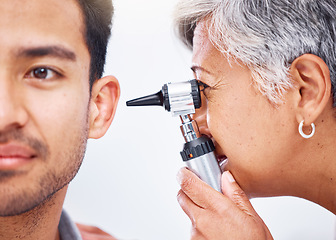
(208,119)
(211,122)
(215,118)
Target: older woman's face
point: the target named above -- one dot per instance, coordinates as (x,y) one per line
(251,132)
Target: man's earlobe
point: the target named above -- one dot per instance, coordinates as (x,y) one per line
(103,104)
(311,77)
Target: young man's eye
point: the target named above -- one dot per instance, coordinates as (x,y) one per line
(42,73)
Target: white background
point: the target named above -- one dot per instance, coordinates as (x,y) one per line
(127,183)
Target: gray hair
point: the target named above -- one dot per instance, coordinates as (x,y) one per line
(265,35)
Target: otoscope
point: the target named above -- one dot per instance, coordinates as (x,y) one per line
(181,99)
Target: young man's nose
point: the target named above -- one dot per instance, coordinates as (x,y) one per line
(12,111)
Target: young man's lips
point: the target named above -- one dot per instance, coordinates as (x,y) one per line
(13,156)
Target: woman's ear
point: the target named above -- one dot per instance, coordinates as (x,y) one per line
(312,77)
(105,95)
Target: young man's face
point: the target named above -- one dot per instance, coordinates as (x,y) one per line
(44,100)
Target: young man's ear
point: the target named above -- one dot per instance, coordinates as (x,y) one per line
(312,78)
(103,104)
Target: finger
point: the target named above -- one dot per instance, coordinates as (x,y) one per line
(196,235)
(232,190)
(188,206)
(198,191)
(200,218)
(91,232)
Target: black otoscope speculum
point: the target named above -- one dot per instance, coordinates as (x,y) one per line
(181,99)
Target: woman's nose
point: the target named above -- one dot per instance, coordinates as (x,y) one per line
(200,117)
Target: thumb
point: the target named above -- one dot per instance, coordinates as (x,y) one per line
(232,190)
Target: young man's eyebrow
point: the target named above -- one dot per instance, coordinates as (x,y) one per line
(42,51)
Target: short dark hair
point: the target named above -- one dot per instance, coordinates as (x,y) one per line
(97,16)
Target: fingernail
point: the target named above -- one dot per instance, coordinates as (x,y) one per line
(229,177)
(179,176)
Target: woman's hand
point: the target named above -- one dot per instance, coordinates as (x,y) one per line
(219,216)
(93,233)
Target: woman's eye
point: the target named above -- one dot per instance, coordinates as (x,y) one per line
(206,92)
(203,87)
(42,73)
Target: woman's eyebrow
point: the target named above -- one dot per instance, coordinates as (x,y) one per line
(42,51)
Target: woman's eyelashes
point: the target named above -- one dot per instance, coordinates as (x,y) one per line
(203,87)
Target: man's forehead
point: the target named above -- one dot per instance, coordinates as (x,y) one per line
(40,7)
(39,24)
(34,15)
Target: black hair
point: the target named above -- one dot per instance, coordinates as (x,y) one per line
(97,16)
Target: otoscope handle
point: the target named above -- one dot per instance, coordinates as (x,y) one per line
(200,158)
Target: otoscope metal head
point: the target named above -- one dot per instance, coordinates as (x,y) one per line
(181,98)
